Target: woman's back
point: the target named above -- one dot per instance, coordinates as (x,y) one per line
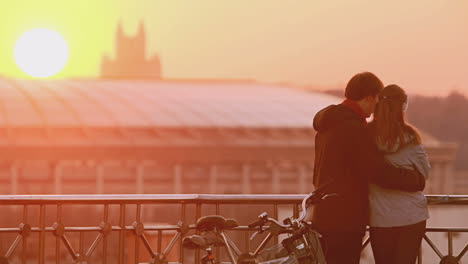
(397,208)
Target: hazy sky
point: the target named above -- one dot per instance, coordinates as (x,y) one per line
(420,44)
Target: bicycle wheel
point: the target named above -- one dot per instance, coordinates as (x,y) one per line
(305,248)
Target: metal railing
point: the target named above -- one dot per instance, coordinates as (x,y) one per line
(39,219)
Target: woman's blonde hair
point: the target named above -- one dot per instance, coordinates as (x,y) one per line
(389,126)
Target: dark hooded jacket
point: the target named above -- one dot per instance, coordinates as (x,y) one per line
(346,155)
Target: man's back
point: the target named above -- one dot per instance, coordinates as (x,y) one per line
(339,130)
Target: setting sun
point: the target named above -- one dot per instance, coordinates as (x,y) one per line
(41,53)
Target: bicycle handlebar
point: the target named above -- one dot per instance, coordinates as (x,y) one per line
(314,197)
(261,220)
(292,224)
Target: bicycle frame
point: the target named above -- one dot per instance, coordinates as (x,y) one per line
(292,226)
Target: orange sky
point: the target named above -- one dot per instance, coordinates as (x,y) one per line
(419,44)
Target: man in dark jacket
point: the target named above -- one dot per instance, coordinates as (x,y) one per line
(346,156)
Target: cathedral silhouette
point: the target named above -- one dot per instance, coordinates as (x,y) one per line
(130,60)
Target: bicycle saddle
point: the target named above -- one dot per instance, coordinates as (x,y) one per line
(215,221)
(204,241)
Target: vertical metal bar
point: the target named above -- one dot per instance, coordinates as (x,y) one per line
(81,248)
(57,238)
(247,241)
(104,241)
(197,211)
(160,234)
(182,213)
(182,216)
(295,210)
(138,213)
(197,215)
(450,243)
(122,235)
(42,234)
(217,250)
(137,238)
(25,243)
(217,209)
(275,215)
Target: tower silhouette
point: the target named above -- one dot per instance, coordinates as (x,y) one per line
(130,60)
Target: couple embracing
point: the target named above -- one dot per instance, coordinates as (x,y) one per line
(378,171)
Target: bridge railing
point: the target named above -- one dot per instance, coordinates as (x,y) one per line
(145,228)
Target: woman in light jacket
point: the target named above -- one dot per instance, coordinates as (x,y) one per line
(397,218)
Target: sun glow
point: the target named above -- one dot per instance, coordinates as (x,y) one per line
(41,53)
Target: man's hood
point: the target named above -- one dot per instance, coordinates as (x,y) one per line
(332,116)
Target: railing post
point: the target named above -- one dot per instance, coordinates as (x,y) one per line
(183,217)
(104,241)
(25,240)
(105,228)
(197,215)
(42,234)
(57,238)
(122,235)
(81,252)
(217,212)
(450,243)
(137,238)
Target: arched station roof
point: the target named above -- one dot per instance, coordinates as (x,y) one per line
(121,112)
(135,112)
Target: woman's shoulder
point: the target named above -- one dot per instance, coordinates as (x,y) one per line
(413,148)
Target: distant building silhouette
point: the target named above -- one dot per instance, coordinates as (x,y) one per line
(130,60)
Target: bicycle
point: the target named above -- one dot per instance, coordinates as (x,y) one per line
(301,247)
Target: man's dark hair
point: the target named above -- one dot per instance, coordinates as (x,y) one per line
(362,85)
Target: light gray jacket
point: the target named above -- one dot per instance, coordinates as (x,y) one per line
(390,208)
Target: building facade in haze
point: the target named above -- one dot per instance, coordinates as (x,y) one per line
(173,137)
